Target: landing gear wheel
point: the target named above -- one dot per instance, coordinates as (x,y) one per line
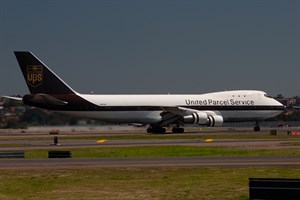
(161,130)
(156,130)
(177,130)
(256,128)
(149,130)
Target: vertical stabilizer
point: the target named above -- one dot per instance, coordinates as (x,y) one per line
(39,78)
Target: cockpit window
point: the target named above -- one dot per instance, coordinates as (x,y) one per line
(268,96)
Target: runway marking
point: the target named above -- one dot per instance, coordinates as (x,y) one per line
(101,141)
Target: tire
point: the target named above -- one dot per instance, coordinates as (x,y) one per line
(257,128)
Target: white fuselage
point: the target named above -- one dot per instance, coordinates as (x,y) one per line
(240,105)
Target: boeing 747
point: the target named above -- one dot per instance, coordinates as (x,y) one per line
(48,91)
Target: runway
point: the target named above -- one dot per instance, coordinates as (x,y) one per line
(39,141)
(167,162)
(35,144)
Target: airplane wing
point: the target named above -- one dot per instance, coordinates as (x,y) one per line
(168,118)
(172,114)
(182,111)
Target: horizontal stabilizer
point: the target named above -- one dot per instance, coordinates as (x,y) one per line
(44,99)
(13,98)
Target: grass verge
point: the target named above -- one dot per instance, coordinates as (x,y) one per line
(161,151)
(205,184)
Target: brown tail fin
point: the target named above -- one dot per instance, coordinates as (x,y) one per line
(39,78)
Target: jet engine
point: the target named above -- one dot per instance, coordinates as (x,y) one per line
(203,118)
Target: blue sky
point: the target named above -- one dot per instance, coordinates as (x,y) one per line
(141,47)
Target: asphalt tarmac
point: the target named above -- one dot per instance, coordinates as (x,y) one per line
(35,144)
(9,142)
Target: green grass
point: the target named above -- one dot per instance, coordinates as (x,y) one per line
(14,145)
(291,143)
(161,151)
(131,183)
(203,184)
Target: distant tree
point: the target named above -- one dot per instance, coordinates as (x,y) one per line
(13,124)
(35,116)
(58,119)
(10,103)
(279,96)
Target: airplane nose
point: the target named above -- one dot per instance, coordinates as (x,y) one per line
(283,107)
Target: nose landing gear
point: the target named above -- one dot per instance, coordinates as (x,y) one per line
(257,127)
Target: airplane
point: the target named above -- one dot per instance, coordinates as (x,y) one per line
(49,91)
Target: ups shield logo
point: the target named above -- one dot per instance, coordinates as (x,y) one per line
(34,75)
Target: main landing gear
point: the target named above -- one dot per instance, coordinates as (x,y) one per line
(177,129)
(156,130)
(257,127)
(163,130)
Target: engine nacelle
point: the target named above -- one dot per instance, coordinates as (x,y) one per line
(215,120)
(203,118)
(196,118)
